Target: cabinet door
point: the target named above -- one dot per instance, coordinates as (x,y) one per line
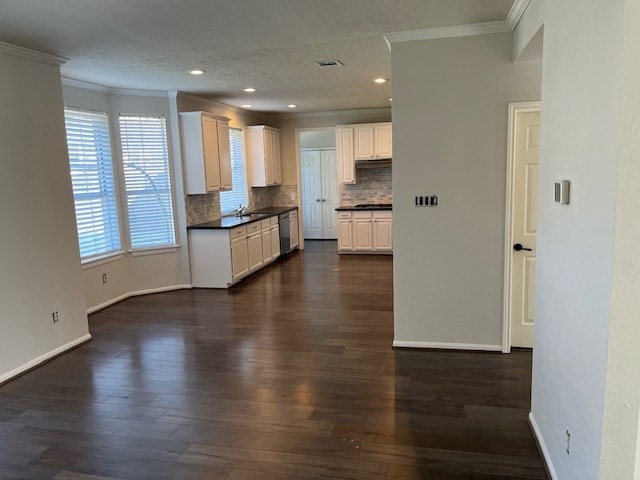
(277,161)
(383,235)
(344,148)
(363,142)
(268,157)
(254,247)
(275,242)
(239,258)
(383,141)
(345,241)
(210,149)
(362,235)
(224,156)
(293,232)
(266,245)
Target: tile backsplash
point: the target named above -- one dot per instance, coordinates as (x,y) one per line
(205,208)
(373,185)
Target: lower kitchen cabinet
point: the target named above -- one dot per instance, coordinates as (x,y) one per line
(254,246)
(365,231)
(293,229)
(239,258)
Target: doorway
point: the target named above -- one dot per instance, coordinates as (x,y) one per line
(319,184)
(521,225)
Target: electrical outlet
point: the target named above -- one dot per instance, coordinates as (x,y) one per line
(54,316)
(104,278)
(568,442)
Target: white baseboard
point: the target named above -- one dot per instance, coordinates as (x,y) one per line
(43,358)
(448,346)
(543,447)
(135,294)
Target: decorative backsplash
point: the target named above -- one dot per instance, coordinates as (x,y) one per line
(373,185)
(206,208)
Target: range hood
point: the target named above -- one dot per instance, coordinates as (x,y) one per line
(373,163)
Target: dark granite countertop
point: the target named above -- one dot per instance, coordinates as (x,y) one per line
(233,221)
(372,206)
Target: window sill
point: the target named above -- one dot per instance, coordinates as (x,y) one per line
(154,250)
(102,260)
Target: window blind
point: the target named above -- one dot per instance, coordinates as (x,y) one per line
(93,184)
(231,199)
(147,180)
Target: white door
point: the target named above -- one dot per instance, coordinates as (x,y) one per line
(311,172)
(524,226)
(318,170)
(329,176)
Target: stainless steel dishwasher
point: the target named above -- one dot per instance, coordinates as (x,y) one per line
(285,237)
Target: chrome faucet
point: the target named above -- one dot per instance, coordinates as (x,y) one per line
(241,209)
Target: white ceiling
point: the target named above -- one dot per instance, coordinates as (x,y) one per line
(267,44)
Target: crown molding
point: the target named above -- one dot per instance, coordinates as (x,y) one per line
(139,93)
(72,82)
(331,113)
(502,26)
(34,55)
(214,103)
(516,12)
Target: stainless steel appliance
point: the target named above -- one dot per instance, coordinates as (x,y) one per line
(285,237)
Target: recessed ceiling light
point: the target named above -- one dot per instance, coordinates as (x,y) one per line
(246,105)
(196,71)
(291,105)
(391,99)
(380,80)
(249,90)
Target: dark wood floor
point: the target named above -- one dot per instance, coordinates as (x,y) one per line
(289,375)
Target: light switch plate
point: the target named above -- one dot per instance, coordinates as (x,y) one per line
(561,192)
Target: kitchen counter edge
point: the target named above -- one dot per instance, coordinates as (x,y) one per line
(226,223)
(364,208)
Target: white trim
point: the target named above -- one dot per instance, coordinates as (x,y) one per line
(141,252)
(139,93)
(502,26)
(43,358)
(135,294)
(34,55)
(516,12)
(514,109)
(102,260)
(543,447)
(72,82)
(330,113)
(447,346)
(448,32)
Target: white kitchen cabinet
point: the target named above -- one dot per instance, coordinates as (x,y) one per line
(206,152)
(363,142)
(239,255)
(362,232)
(294,234)
(365,231)
(264,164)
(345,239)
(382,231)
(265,238)
(372,141)
(382,140)
(275,238)
(344,150)
(254,247)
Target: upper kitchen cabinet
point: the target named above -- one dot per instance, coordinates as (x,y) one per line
(372,141)
(344,149)
(264,163)
(206,152)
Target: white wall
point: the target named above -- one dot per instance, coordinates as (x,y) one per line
(318,139)
(38,245)
(450,109)
(582,74)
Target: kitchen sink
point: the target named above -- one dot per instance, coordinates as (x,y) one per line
(253,216)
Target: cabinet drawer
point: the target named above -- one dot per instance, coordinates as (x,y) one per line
(383,214)
(253,227)
(266,223)
(274,220)
(293,214)
(238,232)
(362,214)
(344,215)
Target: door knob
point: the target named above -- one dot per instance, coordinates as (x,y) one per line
(518,246)
(317,199)
(324,200)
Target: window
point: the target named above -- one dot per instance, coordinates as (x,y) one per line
(231,199)
(94,192)
(147,180)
